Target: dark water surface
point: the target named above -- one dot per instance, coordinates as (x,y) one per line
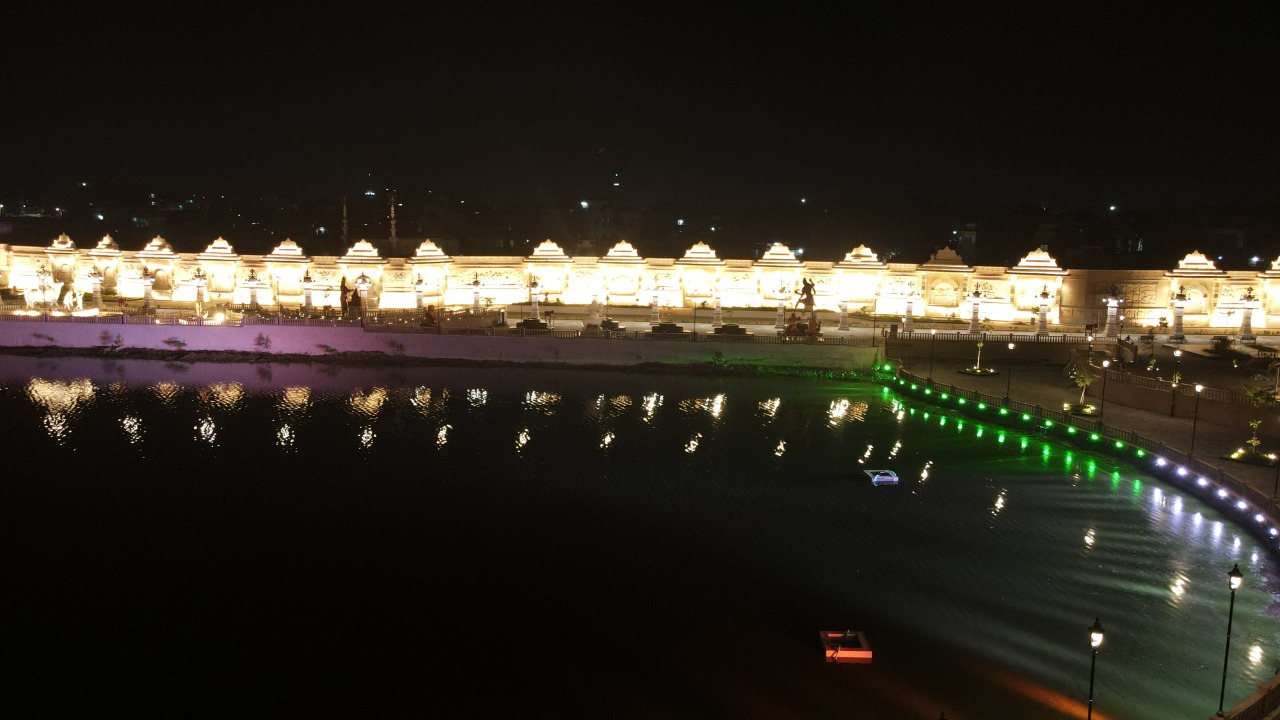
(558,544)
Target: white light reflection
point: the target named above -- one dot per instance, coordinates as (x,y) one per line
(442,435)
(1255,655)
(1178,587)
(780,449)
(924,473)
(522,438)
(285,436)
(713,406)
(999,505)
(842,411)
(692,445)
(477,397)
(769,408)
(866,455)
(543,402)
(133,428)
(206,430)
(607,440)
(652,402)
(896,447)
(367,436)
(1089,538)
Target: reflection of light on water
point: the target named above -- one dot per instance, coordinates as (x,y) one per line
(522,438)
(1236,543)
(1255,655)
(206,430)
(55,423)
(607,440)
(842,410)
(295,398)
(285,436)
(544,402)
(866,455)
(713,405)
(1089,537)
(769,408)
(1177,505)
(166,391)
(442,435)
(1178,588)
(995,510)
(652,402)
(896,447)
(692,445)
(924,472)
(477,397)
(223,395)
(57,396)
(782,447)
(367,404)
(366,436)
(133,428)
(421,397)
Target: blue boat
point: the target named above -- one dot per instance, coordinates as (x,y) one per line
(882,477)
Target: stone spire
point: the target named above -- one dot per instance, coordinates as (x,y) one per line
(344,219)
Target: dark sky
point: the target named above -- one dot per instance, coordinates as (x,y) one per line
(710,102)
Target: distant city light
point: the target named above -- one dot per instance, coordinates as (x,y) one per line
(100,217)
(370,193)
(803,201)
(585,204)
(680,221)
(1113,208)
(713,227)
(84,184)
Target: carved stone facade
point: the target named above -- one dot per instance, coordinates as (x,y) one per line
(942,287)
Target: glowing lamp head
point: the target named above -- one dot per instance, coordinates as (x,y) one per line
(1010,346)
(1235,577)
(933,331)
(1095,634)
(1199,387)
(1177,353)
(1106,363)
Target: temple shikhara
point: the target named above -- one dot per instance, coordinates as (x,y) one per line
(1195,294)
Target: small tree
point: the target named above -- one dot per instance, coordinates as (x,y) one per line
(978,364)
(1084,377)
(1261,397)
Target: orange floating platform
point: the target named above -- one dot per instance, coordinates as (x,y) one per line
(846,646)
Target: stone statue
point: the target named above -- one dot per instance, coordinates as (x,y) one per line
(806,296)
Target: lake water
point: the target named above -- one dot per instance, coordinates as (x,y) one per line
(552,544)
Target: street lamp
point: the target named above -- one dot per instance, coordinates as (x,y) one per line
(1195,417)
(1105,364)
(1008,376)
(1177,364)
(933,340)
(1235,578)
(1095,639)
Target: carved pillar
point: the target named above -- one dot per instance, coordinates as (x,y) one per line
(1246,322)
(717,316)
(1113,314)
(908,321)
(654,318)
(1042,321)
(976,301)
(844,315)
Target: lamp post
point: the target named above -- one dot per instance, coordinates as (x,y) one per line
(1008,375)
(147,280)
(533,298)
(1102,405)
(933,340)
(1113,312)
(1195,417)
(780,321)
(1234,578)
(1095,639)
(1177,365)
(475,294)
(1042,319)
(976,301)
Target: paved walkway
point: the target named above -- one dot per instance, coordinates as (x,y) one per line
(1046,386)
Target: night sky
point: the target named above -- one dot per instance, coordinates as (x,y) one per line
(704,103)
